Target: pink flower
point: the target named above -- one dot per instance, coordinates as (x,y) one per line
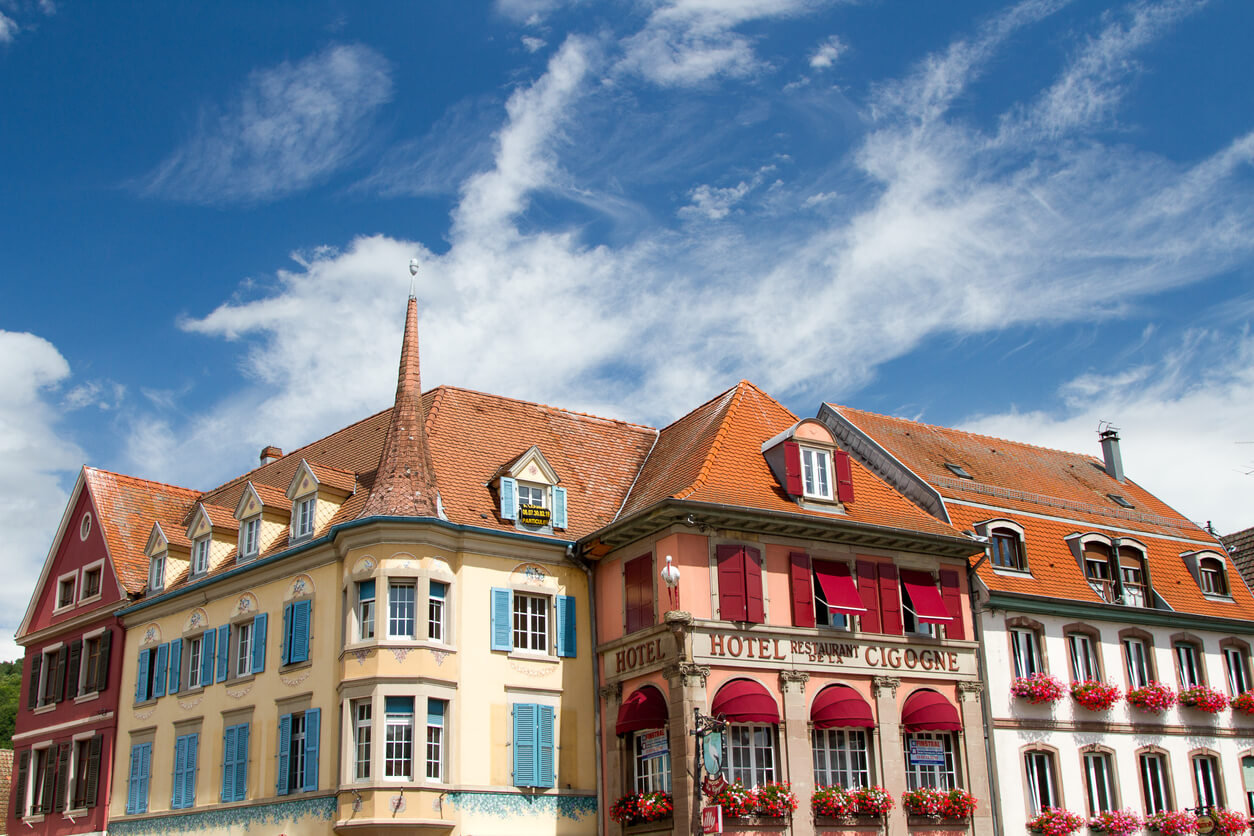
(1038,688)
(1155,697)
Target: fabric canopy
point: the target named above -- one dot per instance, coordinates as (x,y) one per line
(926,710)
(925,597)
(644,709)
(840,706)
(838,588)
(745,701)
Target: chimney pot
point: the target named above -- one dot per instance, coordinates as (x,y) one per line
(270,453)
(1110,453)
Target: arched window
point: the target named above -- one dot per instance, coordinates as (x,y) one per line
(1212,577)
(1007,548)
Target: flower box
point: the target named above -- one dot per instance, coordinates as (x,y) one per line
(1095,696)
(937,804)
(1172,823)
(1201,698)
(768,801)
(1155,697)
(1055,821)
(1243,703)
(1116,823)
(1038,689)
(871,801)
(1229,822)
(642,807)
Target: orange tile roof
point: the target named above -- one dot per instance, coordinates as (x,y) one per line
(221,517)
(271,497)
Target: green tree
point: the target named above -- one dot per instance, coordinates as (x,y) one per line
(10,696)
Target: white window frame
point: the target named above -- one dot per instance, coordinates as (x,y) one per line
(1099,783)
(753,756)
(651,774)
(1139,659)
(1188,664)
(303,513)
(1155,785)
(1237,666)
(940,777)
(1206,778)
(244,634)
(72,579)
(362,712)
(86,675)
(80,740)
(816,473)
(98,568)
(200,555)
(367,609)
(1002,534)
(1025,651)
(1082,650)
(534,491)
(410,615)
(1212,581)
(156,572)
(842,757)
(296,752)
(195,655)
(435,748)
(250,536)
(533,629)
(437,612)
(1039,767)
(398,746)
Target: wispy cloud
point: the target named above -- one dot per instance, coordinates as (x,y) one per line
(827,53)
(289,128)
(8,29)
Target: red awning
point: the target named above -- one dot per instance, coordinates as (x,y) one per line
(838,586)
(840,706)
(644,709)
(926,710)
(745,701)
(925,597)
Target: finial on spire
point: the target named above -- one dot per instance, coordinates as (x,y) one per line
(413,273)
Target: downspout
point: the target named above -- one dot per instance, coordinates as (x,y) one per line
(596,682)
(982,666)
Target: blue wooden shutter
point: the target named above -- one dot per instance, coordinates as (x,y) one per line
(559,507)
(241,761)
(524,745)
(144,774)
(312,724)
(206,658)
(285,743)
(509,498)
(141,677)
(567,644)
(502,634)
(285,657)
(159,676)
(300,632)
(180,763)
(544,746)
(228,763)
(132,785)
(224,647)
(176,665)
(189,770)
(259,643)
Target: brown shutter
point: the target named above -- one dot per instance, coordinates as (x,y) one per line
(731,583)
(50,777)
(951,595)
(19,786)
(62,777)
(71,675)
(802,590)
(844,477)
(792,468)
(638,578)
(102,666)
(755,609)
(93,773)
(890,600)
(32,687)
(58,687)
(868,590)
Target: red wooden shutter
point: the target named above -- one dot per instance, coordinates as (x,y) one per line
(792,468)
(802,590)
(638,577)
(731,583)
(755,611)
(844,477)
(868,589)
(952,597)
(890,600)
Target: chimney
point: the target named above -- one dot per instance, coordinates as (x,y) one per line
(270,454)
(1110,452)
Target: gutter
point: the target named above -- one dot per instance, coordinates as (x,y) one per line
(977,630)
(574,558)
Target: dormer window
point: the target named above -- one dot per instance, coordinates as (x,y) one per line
(816,469)
(1097,572)
(529,493)
(303,518)
(533,495)
(156,572)
(200,556)
(1007,549)
(1132,573)
(1211,576)
(249,532)
(809,466)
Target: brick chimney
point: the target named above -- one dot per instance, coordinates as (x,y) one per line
(270,453)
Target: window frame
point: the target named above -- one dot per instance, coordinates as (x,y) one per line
(1146,642)
(404,724)
(66,581)
(1143,756)
(1238,651)
(95,569)
(395,585)
(1025,650)
(1212,569)
(156,572)
(1013,541)
(367,610)
(1183,646)
(244,633)
(304,516)
(200,556)
(816,469)
(947,777)
(250,537)
(1075,636)
(194,658)
(1211,760)
(437,611)
(361,711)
(1094,786)
(1031,760)
(540,604)
(435,750)
(649,774)
(836,754)
(755,750)
(910,624)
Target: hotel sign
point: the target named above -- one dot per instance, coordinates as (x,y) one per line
(720,647)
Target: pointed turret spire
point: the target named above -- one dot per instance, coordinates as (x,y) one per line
(404,485)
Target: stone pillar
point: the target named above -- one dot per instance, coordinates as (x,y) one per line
(687,691)
(796,742)
(969,699)
(892,764)
(612,757)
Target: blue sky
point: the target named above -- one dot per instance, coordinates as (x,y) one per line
(1017,218)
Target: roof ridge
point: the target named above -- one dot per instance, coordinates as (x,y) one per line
(573,412)
(153,482)
(728,413)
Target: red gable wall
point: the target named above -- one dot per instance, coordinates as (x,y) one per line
(72,554)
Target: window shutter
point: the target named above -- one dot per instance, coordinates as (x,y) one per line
(755,610)
(132,784)
(259,642)
(509,498)
(189,770)
(60,777)
(731,583)
(567,644)
(102,667)
(32,687)
(559,507)
(92,787)
(502,636)
(638,586)
(141,676)
(890,600)
(300,632)
(286,655)
(176,665)
(19,788)
(844,476)
(285,743)
(228,763)
(207,655)
(952,598)
(180,765)
(802,590)
(145,772)
(524,745)
(544,745)
(792,469)
(58,687)
(312,723)
(162,670)
(224,647)
(49,781)
(868,591)
(73,669)
(241,762)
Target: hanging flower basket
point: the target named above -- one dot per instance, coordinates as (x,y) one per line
(836,802)
(871,801)
(1117,822)
(1243,703)
(640,807)
(1095,696)
(1172,823)
(1204,699)
(1229,822)
(774,799)
(939,804)
(1155,697)
(1039,688)
(1055,821)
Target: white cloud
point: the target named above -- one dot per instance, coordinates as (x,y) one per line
(827,53)
(8,29)
(35,461)
(534,44)
(291,127)
(1184,421)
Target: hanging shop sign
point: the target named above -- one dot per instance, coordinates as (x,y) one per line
(712,752)
(712,819)
(533,515)
(653,744)
(927,753)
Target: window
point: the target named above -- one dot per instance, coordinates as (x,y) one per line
(200,556)
(1211,574)
(85,776)
(398,747)
(515,495)
(65,591)
(531,495)
(531,614)
(911,622)
(816,468)
(653,763)
(1237,662)
(524,625)
(841,758)
(958,470)
(91,582)
(1206,782)
(1154,784)
(45,772)
(824,615)
(740,584)
(249,646)
(235,762)
(298,751)
(924,767)
(1082,651)
(183,793)
(1042,781)
(1132,574)
(436,710)
(244,649)
(362,713)
(1099,782)
(1137,658)
(436,593)
(43,780)
(1007,549)
(303,521)
(1097,572)
(401,619)
(638,592)
(1026,651)
(1247,776)
(195,660)
(151,672)
(533,745)
(751,753)
(95,668)
(48,675)
(156,572)
(296,623)
(137,784)
(249,543)
(1188,665)
(1120,501)
(365,609)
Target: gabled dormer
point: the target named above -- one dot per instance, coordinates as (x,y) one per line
(1115,568)
(1209,568)
(529,493)
(212,531)
(168,556)
(263,514)
(809,466)
(316,493)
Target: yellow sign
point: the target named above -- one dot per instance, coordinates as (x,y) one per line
(533,515)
